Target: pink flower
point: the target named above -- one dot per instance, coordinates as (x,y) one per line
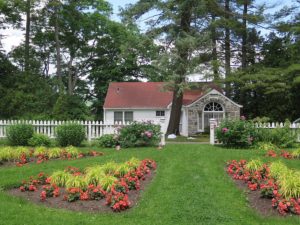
(224,130)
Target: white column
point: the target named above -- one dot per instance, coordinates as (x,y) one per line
(212,125)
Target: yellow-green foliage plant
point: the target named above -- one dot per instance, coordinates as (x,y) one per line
(40,150)
(94,174)
(254,165)
(289,185)
(72,151)
(110,168)
(6,154)
(107,182)
(54,153)
(296,153)
(122,169)
(278,169)
(134,163)
(266,146)
(76,182)
(60,178)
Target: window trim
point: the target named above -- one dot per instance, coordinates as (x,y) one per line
(123,116)
(158,113)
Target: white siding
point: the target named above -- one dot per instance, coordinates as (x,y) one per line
(150,114)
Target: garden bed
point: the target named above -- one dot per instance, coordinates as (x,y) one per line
(272,188)
(262,205)
(80,206)
(21,156)
(110,187)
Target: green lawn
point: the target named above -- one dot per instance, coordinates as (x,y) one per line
(191,187)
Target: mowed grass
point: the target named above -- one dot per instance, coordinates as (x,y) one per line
(190,187)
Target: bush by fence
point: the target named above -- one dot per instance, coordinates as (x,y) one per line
(19,134)
(70,134)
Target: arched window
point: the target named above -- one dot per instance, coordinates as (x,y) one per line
(211,110)
(213,107)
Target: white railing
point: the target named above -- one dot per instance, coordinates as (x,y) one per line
(214,125)
(93,129)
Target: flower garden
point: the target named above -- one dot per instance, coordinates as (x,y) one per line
(24,155)
(190,186)
(111,182)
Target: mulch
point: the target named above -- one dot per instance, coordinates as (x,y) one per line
(92,206)
(262,205)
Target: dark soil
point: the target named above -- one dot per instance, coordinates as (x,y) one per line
(262,205)
(92,206)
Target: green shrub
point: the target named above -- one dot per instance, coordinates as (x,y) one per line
(39,140)
(108,141)
(282,137)
(70,134)
(236,133)
(139,134)
(19,134)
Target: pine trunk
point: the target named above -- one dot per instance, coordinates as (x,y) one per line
(214,50)
(58,54)
(244,35)
(227,48)
(27,36)
(183,51)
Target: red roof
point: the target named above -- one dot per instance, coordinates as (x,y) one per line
(145,95)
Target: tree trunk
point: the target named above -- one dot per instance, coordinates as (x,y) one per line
(58,54)
(27,36)
(183,52)
(214,50)
(71,78)
(244,35)
(227,48)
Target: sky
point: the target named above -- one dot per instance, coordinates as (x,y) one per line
(14,37)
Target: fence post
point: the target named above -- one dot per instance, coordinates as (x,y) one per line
(89,130)
(212,125)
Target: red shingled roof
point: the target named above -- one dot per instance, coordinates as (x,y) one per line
(145,95)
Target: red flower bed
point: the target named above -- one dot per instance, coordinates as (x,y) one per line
(261,180)
(283,153)
(23,160)
(117,197)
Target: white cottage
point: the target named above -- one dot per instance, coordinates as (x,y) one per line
(142,101)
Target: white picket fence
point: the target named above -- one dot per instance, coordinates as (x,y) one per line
(93,129)
(294,126)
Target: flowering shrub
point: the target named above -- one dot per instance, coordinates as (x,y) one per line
(275,182)
(139,134)
(236,133)
(76,187)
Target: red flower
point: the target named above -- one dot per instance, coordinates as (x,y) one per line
(43,195)
(22,188)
